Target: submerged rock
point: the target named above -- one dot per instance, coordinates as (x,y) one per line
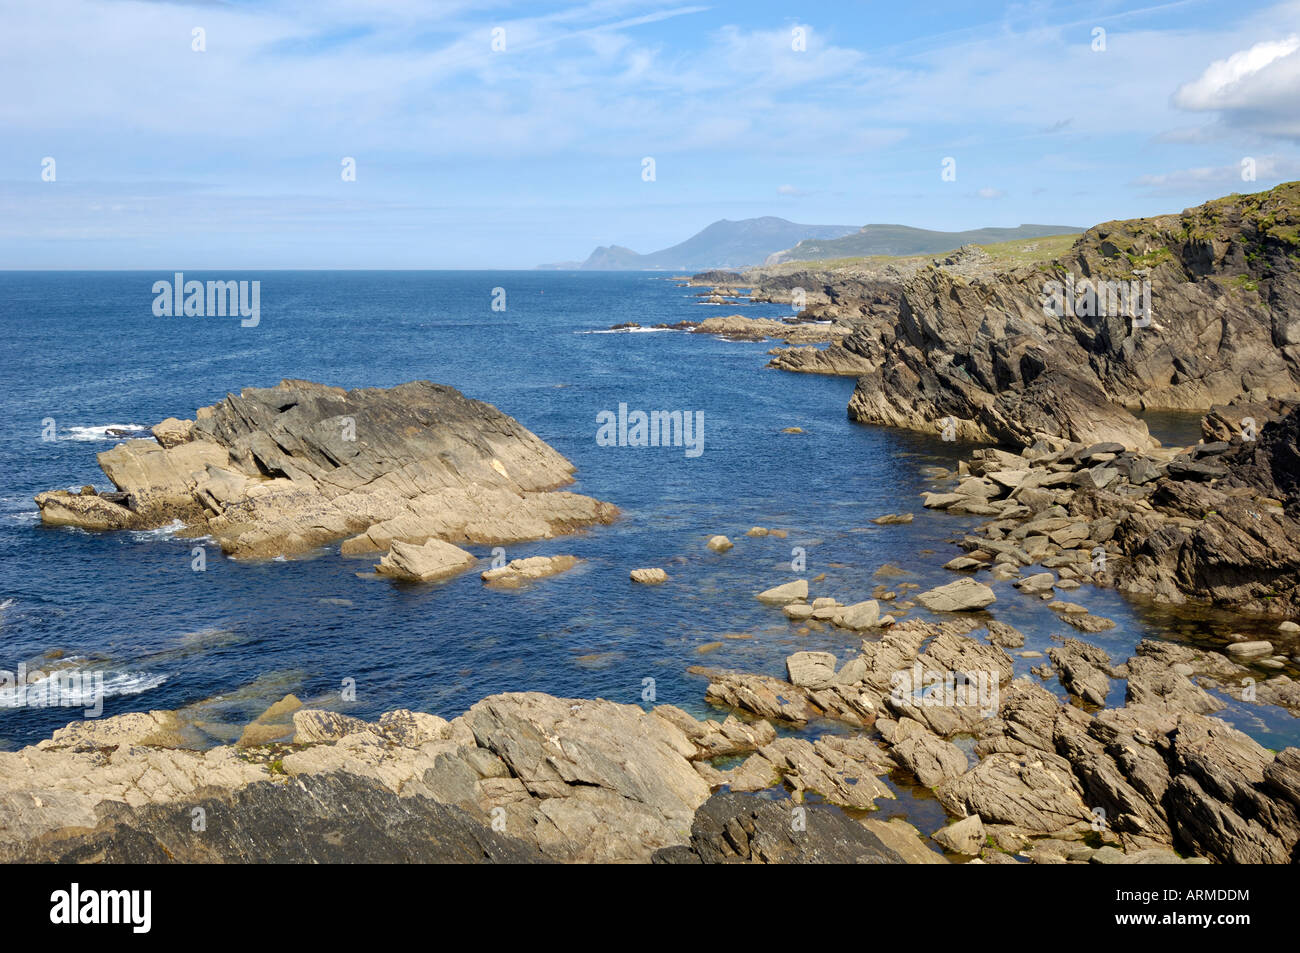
(517,572)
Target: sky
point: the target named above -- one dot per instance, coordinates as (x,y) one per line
(211,135)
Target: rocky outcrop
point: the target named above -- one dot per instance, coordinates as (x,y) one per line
(281,470)
(527,777)
(315,819)
(568,779)
(795,332)
(1049,779)
(742,829)
(1223,525)
(836,360)
(1218,522)
(1029,353)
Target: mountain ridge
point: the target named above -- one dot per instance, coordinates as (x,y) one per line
(768,239)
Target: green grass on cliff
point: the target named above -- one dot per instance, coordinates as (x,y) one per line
(1274,214)
(1032,251)
(1012,254)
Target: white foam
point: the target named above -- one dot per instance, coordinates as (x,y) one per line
(102,433)
(80,685)
(627,331)
(131,683)
(162,532)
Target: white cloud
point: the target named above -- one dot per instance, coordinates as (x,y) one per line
(1257,89)
(990,193)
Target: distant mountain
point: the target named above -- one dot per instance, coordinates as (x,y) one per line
(723,244)
(905,240)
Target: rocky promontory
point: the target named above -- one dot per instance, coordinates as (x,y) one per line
(285,469)
(1175,312)
(1047,350)
(1198,311)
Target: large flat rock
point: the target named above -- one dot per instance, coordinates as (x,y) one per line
(282,470)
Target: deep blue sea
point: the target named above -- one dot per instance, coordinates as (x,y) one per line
(86,350)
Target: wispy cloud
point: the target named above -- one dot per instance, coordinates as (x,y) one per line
(853,120)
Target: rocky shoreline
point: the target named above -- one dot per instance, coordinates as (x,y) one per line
(526,777)
(795,769)
(532,778)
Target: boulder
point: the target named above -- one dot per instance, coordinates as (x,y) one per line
(962,837)
(1037,583)
(172,432)
(859,616)
(961,596)
(796,591)
(431,561)
(740,828)
(1250,650)
(810,669)
(517,572)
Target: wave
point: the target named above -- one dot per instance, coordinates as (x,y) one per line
(78,687)
(626,331)
(107,432)
(162,532)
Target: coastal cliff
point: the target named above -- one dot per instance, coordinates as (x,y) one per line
(1198,311)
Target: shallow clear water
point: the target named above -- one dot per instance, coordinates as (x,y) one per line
(86,350)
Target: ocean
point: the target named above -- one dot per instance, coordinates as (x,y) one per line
(83,352)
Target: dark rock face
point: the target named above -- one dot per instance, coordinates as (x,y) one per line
(1225,527)
(739,828)
(319,819)
(990,352)
(717,278)
(1271,463)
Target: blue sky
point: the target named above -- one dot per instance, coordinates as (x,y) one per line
(469,157)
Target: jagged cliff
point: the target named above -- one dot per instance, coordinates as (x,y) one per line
(1062,348)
